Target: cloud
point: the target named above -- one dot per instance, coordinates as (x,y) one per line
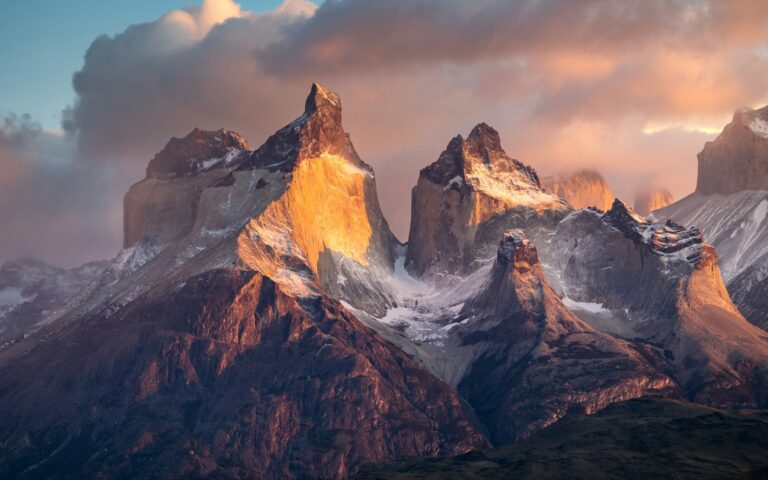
(632,88)
(52,207)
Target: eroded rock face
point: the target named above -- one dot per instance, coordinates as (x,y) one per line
(460,200)
(224,376)
(652,199)
(163,207)
(738,159)
(582,189)
(660,283)
(535,360)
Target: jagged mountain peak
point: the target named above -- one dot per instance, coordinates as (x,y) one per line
(472,182)
(321,99)
(465,161)
(317,132)
(200,150)
(484,142)
(668,239)
(516,249)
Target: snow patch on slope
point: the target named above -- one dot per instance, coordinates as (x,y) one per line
(426,311)
(510,186)
(760,127)
(585,306)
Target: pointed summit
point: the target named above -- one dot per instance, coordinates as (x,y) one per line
(484,142)
(322,99)
(472,182)
(316,132)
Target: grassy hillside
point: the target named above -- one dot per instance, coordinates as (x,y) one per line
(645,438)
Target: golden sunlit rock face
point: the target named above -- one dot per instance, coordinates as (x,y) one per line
(326,200)
(322,208)
(327,213)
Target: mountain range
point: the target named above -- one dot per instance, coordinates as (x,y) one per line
(262,320)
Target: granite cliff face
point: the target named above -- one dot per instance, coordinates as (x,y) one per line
(738,159)
(534,360)
(660,283)
(464,201)
(162,208)
(215,343)
(730,206)
(582,189)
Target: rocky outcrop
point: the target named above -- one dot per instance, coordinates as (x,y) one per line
(224,376)
(582,189)
(651,200)
(163,207)
(660,283)
(199,151)
(738,159)
(535,360)
(464,201)
(330,210)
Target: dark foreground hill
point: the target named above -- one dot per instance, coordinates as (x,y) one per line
(642,438)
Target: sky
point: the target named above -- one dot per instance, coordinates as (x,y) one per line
(49,38)
(90,90)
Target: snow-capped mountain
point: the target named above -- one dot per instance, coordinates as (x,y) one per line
(211,345)
(582,189)
(262,320)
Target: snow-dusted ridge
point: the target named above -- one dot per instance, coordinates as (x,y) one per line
(759,126)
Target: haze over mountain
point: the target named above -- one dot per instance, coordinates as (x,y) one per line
(582,189)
